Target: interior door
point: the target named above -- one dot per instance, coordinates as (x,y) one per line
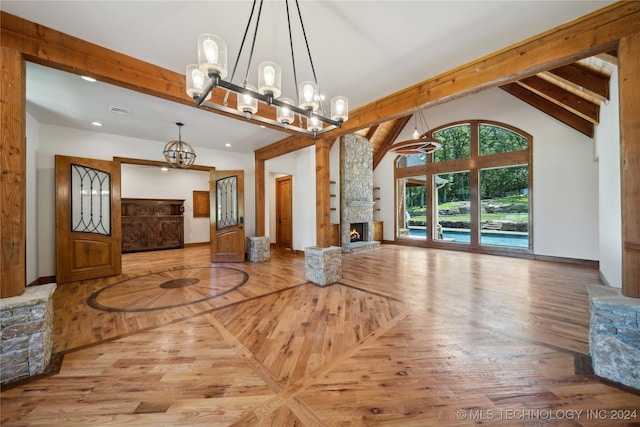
(284,231)
(227,216)
(88,235)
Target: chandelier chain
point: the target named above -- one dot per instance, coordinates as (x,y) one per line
(253,43)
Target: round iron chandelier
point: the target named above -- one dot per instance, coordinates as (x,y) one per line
(179,154)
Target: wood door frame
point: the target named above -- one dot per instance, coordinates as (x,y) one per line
(278,201)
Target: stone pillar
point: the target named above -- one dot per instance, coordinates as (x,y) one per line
(258,249)
(614,335)
(26,333)
(323,266)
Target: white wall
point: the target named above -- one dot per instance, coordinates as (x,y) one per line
(607,138)
(301,165)
(72,142)
(149,182)
(565,174)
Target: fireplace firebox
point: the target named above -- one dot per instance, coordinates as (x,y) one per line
(358,232)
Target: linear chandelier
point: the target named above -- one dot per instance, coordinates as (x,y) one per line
(211,70)
(420,142)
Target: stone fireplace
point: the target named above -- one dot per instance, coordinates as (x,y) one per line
(356,194)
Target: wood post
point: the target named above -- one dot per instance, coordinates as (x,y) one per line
(13,166)
(629,86)
(323,208)
(260,198)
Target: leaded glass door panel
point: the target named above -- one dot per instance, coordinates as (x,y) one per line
(88,235)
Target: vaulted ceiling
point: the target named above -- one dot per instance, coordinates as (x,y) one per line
(571,94)
(353,54)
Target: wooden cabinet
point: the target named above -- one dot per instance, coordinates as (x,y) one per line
(335,235)
(377,231)
(152,224)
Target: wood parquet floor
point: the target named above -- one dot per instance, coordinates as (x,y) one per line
(408,337)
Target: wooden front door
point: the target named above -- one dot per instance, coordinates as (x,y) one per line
(88,235)
(227,216)
(284,228)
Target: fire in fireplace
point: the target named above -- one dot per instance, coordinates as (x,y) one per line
(357,233)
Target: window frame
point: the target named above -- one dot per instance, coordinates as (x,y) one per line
(474,163)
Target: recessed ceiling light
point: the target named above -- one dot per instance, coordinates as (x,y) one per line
(227,145)
(164,168)
(96,123)
(89,79)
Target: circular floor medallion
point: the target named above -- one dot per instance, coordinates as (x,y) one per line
(168,289)
(179,283)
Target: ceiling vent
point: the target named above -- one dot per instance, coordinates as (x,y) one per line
(119,110)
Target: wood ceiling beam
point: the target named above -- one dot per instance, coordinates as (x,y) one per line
(592,34)
(372,131)
(51,48)
(384,146)
(582,80)
(610,57)
(563,98)
(550,108)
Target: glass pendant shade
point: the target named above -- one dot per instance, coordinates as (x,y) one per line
(247,103)
(339,108)
(309,94)
(212,55)
(314,124)
(197,81)
(269,79)
(283,114)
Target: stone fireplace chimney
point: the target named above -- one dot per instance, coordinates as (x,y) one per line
(356,192)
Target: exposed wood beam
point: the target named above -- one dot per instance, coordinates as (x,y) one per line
(384,146)
(563,98)
(371,131)
(592,34)
(583,81)
(284,146)
(550,108)
(45,46)
(323,208)
(13,164)
(610,57)
(629,86)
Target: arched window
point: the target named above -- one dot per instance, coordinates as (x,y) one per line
(473,194)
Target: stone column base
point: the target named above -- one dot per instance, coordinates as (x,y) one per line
(258,249)
(614,335)
(323,266)
(27,333)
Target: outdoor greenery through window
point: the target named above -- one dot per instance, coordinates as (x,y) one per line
(474,191)
(456,143)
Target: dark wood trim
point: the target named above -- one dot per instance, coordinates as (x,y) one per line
(191,245)
(43,281)
(158,163)
(584,262)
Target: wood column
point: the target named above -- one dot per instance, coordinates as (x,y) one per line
(13,166)
(629,86)
(323,208)
(260,198)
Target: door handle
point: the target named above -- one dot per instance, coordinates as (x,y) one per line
(241,220)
